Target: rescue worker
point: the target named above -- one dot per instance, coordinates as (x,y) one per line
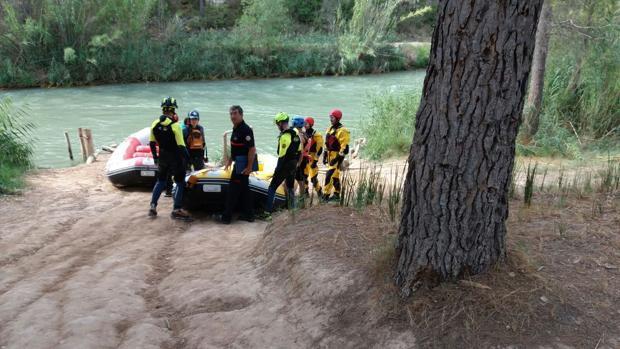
(300,176)
(166,132)
(337,147)
(243,152)
(312,152)
(194,135)
(168,193)
(289,153)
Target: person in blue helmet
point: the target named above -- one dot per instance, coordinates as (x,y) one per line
(297,124)
(194,135)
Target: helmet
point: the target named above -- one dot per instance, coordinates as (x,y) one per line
(336,113)
(310,121)
(169,102)
(298,121)
(193,114)
(281,117)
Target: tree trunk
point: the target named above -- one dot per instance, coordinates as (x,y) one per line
(575,79)
(456,191)
(202,8)
(537,81)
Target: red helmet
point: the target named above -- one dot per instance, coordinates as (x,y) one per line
(336,113)
(310,121)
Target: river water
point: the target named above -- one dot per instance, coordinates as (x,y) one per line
(115,111)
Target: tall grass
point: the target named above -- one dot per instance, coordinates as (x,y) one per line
(528,190)
(581,102)
(15,146)
(372,187)
(389,125)
(610,177)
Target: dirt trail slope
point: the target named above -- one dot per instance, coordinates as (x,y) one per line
(81,266)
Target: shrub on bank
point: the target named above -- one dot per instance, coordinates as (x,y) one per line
(15,148)
(389,125)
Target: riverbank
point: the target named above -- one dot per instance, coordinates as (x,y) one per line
(209,55)
(83,265)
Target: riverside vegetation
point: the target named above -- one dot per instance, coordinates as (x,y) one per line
(580,112)
(77,42)
(15,148)
(81,42)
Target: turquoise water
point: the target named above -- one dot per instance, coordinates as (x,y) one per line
(115,111)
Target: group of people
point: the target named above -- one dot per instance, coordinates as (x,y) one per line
(299,150)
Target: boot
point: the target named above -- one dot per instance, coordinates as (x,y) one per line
(181,215)
(153,210)
(335,198)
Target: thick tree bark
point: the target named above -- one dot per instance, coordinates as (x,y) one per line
(455,197)
(537,81)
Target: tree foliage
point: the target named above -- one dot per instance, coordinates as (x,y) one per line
(265,18)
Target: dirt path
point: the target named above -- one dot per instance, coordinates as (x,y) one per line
(81,266)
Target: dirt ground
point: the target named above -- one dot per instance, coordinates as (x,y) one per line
(81,266)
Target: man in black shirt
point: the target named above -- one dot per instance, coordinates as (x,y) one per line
(243,152)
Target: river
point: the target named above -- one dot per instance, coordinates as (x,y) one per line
(115,111)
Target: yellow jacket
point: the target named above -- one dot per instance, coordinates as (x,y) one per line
(314,147)
(169,134)
(337,139)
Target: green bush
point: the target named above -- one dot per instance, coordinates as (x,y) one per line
(216,17)
(592,104)
(551,140)
(304,11)
(389,125)
(15,146)
(418,23)
(581,101)
(264,18)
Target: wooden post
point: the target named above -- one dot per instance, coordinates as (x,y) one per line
(88,140)
(82,144)
(69,145)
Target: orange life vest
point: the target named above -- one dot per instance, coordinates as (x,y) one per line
(195,140)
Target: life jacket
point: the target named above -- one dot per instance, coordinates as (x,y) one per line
(195,140)
(331,140)
(292,152)
(303,137)
(314,138)
(164,135)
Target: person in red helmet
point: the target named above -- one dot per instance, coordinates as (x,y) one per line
(337,139)
(312,152)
